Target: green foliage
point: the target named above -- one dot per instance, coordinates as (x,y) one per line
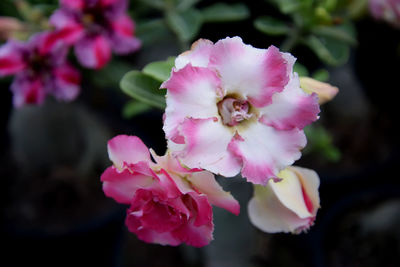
(160,70)
(222,12)
(134,108)
(321,75)
(329,51)
(185,24)
(300,69)
(271,26)
(320,142)
(143,88)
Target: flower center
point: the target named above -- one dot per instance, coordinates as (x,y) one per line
(233,111)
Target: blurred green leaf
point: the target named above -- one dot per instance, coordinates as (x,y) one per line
(158,4)
(185,4)
(151,31)
(328,50)
(143,88)
(160,70)
(222,12)
(292,6)
(335,32)
(271,26)
(320,142)
(321,75)
(134,108)
(111,74)
(186,25)
(300,69)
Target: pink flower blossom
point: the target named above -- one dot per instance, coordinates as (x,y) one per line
(387,10)
(289,205)
(95,27)
(169,204)
(40,67)
(234,108)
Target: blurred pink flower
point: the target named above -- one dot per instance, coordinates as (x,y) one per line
(234,108)
(289,205)
(169,204)
(95,28)
(387,10)
(40,67)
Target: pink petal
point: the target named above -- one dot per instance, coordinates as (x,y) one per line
(122,186)
(124,149)
(254,74)
(265,151)
(67,81)
(291,108)
(93,52)
(73,4)
(123,36)
(197,56)
(206,146)
(205,183)
(27,91)
(11,58)
(192,92)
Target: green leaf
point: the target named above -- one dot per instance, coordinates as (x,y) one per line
(321,75)
(151,31)
(134,108)
(111,74)
(272,26)
(222,12)
(335,32)
(157,4)
(143,88)
(160,70)
(330,51)
(300,69)
(292,6)
(185,4)
(185,25)
(320,142)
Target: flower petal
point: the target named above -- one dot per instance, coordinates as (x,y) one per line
(93,52)
(124,149)
(197,56)
(11,58)
(67,81)
(27,90)
(325,91)
(123,40)
(205,183)
(73,4)
(268,214)
(206,143)
(310,183)
(291,108)
(289,192)
(122,186)
(252,73)
(265,151)
(192,92)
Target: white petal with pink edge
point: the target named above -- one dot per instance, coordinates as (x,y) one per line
(291,108)
(192,92)
(252,73)
(198,55)
(205,183)
(127,149)
(206,143)
(265,151)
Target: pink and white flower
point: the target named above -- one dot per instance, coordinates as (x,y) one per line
(234,108)
(40,67)
(95,27)
(387,10)
(288,205)
(169,204)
